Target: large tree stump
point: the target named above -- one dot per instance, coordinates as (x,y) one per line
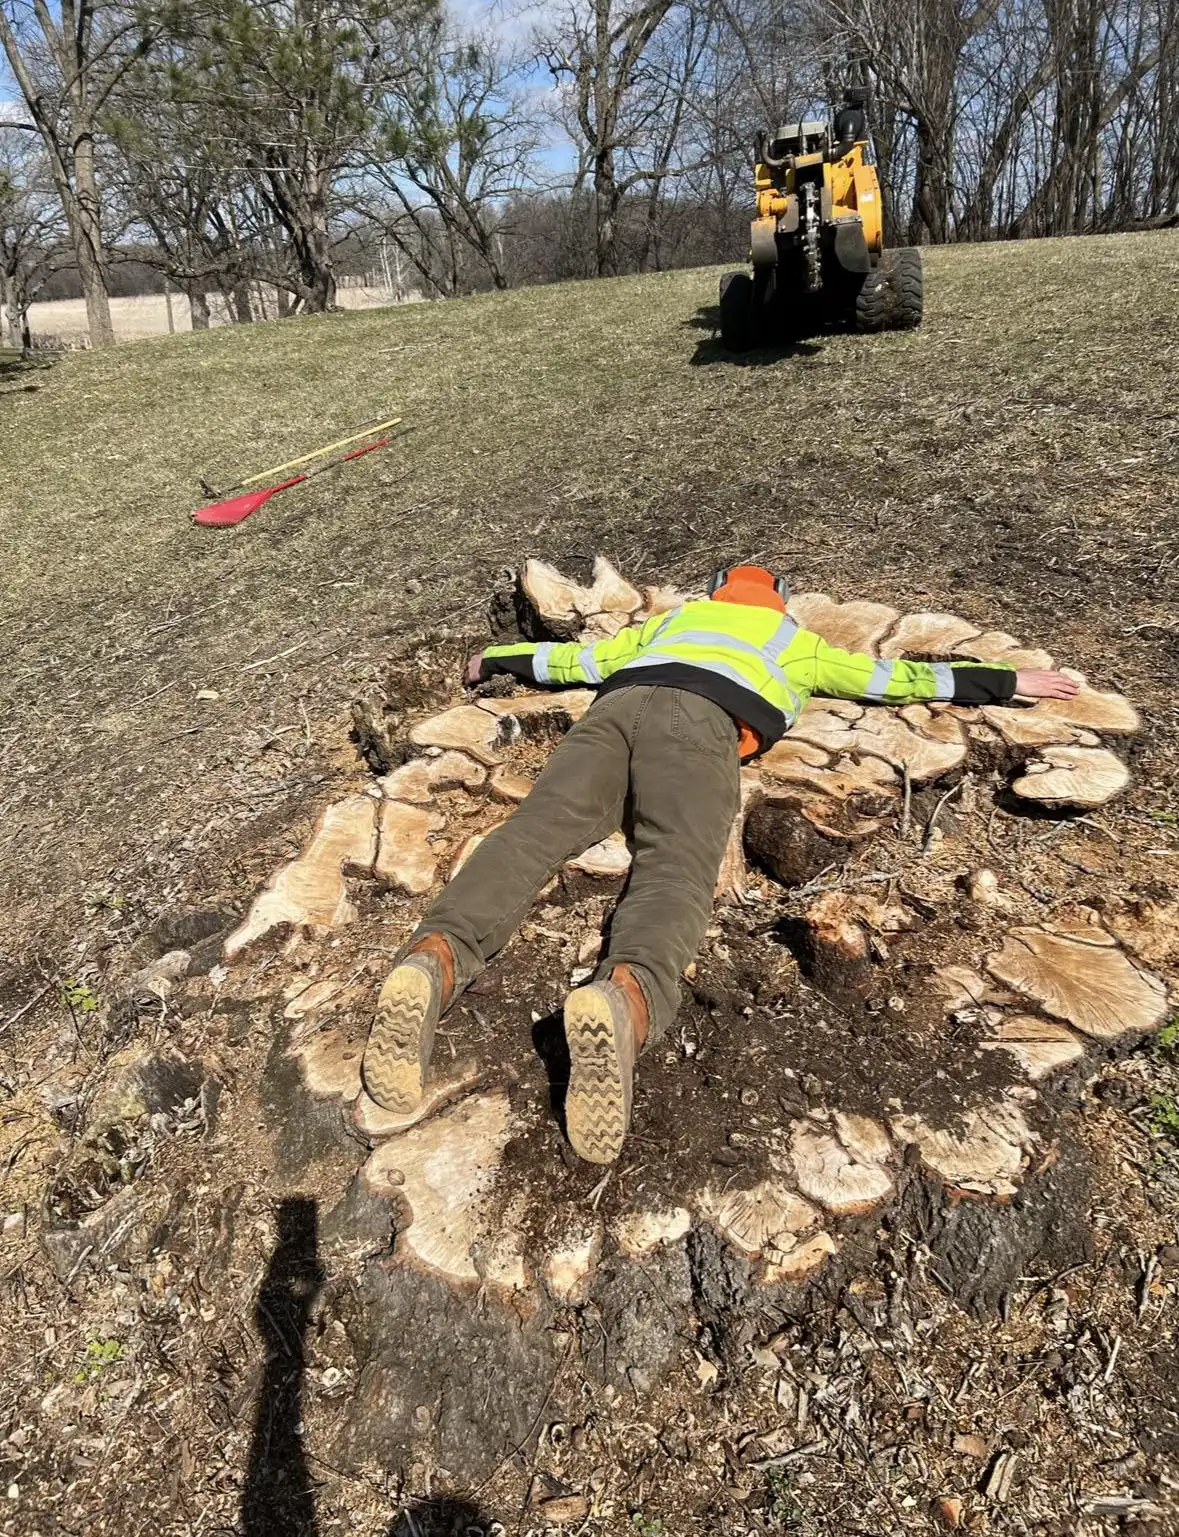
(921,1068)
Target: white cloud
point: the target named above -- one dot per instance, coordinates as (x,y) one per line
(511,21)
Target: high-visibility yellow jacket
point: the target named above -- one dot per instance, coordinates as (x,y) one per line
(754,662)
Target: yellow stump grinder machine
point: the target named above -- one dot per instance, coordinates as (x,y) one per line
(818,241)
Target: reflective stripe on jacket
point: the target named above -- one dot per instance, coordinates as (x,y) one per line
(755,663)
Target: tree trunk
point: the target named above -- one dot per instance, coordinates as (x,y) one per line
(6,304)
(243,312)
(86,226)
(606,202)
(198,304)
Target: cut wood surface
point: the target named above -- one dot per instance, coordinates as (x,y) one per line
(571,1260)
(375,1122)
(465,727)
(1092,986)
(1040,1046)
(998,646)
(552,596)
(854,626)
(927,634)
(405,857)
(1085,777)
(507,785)
(1027,728)
(329,1062)
(570,703)
(763,1220)
(1092,709)
(843,1168)
(986,1156)
(640,1233)
(419,780)
(311,891)
(443,1170)
(566,608)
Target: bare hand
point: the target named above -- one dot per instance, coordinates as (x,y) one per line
(475,668)
(1039,683)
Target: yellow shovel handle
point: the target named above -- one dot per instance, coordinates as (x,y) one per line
(315,453)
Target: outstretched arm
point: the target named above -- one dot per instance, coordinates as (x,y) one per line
(874,680)
(564,663)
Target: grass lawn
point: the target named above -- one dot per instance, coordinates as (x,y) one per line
(1014,459)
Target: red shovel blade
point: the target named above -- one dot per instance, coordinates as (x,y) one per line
(238,508)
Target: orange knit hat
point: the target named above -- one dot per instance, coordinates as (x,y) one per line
(753,585)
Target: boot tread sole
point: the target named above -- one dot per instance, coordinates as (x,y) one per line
(395,1062)
(596,1106)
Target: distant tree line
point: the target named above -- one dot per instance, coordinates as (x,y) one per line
(220,145)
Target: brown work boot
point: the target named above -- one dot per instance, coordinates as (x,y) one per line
(412,1001)
(605,1027)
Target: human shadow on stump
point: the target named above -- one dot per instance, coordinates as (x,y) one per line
(278,1499)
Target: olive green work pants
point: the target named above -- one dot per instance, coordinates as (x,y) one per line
(665,761)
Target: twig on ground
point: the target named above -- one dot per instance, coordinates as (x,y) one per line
(599,1190)
(26,1008)
(782,1461)
(931,825)
(1148,1270)
(906,800)
(278,656)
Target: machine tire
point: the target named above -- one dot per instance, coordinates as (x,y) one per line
(736,311)
(903,272)
(873,302)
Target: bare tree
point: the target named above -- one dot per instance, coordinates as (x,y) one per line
(597,51)
(67,59)
(285,89)
(454,138)
(32,246)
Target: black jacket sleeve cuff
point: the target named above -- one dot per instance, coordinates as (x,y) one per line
(983,685)
(518,666)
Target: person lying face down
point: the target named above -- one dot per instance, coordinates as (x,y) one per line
(683,699)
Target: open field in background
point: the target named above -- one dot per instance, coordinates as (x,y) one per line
(174,712)
(136,319)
